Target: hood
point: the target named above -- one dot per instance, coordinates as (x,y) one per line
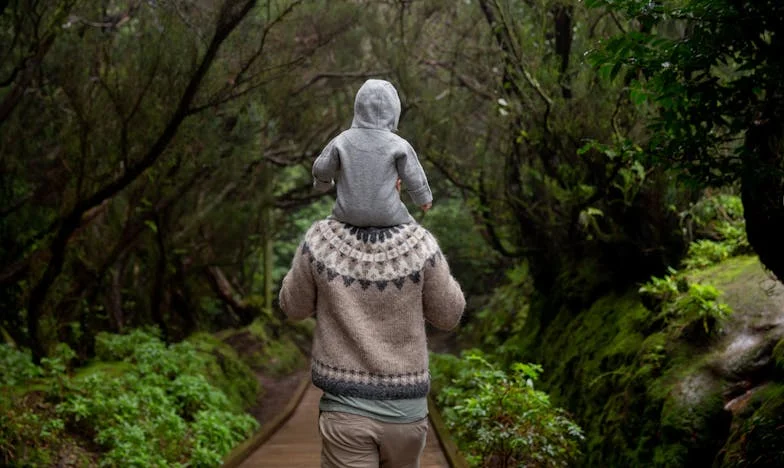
(377,105)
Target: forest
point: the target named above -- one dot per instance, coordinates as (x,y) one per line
(608,181)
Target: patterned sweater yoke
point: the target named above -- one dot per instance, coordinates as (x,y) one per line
(372,290)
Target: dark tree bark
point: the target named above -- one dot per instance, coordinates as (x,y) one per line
(563,44)
(180,298)
(762,191)
(156,307)
(114,297)
(225,291)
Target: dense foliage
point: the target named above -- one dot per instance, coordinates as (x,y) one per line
(710,71)
(168,186)
(138,403)
(679,373)
(498,418)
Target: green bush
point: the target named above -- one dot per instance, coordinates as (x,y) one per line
(505,314)
(16,365)
(717,229)
(498,418)
(113,347)
(683,308)
(472,260)
(28,430)
(156,407)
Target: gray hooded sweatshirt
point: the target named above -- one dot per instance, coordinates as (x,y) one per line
(366,160)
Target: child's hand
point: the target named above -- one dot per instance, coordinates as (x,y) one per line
(397,185)
(426,206)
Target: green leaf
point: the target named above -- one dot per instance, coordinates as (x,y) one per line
(638,96)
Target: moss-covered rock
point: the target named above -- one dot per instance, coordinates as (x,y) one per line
(648,396)
(757,438)
(778,359)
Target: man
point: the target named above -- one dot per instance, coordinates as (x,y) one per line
(372,290)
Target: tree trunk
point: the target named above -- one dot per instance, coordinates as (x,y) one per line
(181,298)
(226,293)
(114,296)
(266,235)
(762,191)
(562,15)
(156,306)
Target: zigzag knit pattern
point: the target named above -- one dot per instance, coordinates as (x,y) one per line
(371,256)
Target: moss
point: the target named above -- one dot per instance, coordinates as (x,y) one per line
(645,396)
(757,439)
(206,342)
(746,287)
(236,379)
(304,327)
(778,355)
(693,416)
(595,343)
(727,272)
(108,369)
(593,366)
(278,358)
(272,350)
(259,330)
(226,370)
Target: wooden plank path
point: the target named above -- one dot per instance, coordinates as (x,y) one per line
(298,445)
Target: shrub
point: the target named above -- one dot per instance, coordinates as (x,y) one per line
(29,430)
(156,407)
(114,347)
(499,419)
(694,309)
(718,222)
(16,365)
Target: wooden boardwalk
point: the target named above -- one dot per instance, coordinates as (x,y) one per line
(297,444)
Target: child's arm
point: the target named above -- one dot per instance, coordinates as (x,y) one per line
(326,167)
(413,176)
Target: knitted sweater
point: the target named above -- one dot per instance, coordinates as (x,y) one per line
(372,290)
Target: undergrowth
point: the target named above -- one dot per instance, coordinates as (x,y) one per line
(140,403)
(621,365)
(497,416)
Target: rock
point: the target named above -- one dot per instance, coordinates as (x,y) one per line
(747,354)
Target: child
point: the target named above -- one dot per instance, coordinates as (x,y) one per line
(367,161)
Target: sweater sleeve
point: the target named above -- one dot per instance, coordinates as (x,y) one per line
(413,176)
(442,297)
(326,166)
(298,292)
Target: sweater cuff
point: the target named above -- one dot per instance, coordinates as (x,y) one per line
(421,195)
(321,185)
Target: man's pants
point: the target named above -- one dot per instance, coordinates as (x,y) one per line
(353,441)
